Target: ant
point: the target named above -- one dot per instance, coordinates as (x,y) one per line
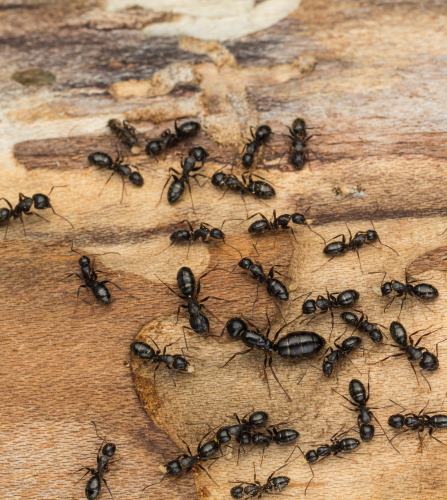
(359,399)
(39,201)
(261,135)
(124,131)
(295,345)
(336,446)
(342,351)
(204,233)
(168,139)
(89,276)
(418,422)
(180,180)
(259,189)
(426,359)
(175,362)
(189,291)
(249,422)
(277,223)
(274,484)
(299,153)
(363,325)
(103,160)
(360,238)
(103,459)
(347,298)
(275,287)
(421,291)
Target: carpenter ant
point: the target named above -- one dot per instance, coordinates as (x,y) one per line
(168,139)
(124,131)
(261,135)
(39,201)
(189,291)
(426,359)
(103,459)
(277,223)
(337,446)
(274,484)
(363,325)
(204,233)
(418,422)
(360,238)
(175,362)
(341,352)
(259,189)
(249,423)
(275,287)
(103,160)
(322,304)
(298,153)
(295,345)
(180,180)
(421,291)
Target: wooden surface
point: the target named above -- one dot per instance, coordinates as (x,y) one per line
(369,77)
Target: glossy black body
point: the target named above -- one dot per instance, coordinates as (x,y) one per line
(323,304)
(204,232)
(146,352)
(274,484)
(275,287)
(168,139)
(344,445)
(103,459)
(276,223)
(299,345)
(259,137)
(124,170)
(362,324)
(244,186)
(342,350)
(89,277)
(298,151)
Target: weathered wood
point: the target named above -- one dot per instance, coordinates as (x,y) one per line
(369,78)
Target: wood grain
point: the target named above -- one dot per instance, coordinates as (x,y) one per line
(369,78)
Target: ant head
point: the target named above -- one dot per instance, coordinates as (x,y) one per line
(5,213)
(311,456)
(262,133)
(180,364)
(41,201)
(174,467)
(237,491)
(258,418)
(136,179)
(309,306)
(429,361)
(218,179)
(386,288)
(26,203)
(154,147)
(217,234)
(109,449)
(198,153)
(371,235)
(187,129)
(298,126)
(298,218)
(236,327)
(84,261)
(245,263)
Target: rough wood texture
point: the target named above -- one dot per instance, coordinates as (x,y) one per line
(369,76)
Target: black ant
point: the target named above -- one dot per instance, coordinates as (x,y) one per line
(418,422)
(360,238)
(295,345)
(124,131)
(103,458)
(426,359)
(363,325)
(39,201)
(103,160)
(273,485)
(258,188)
(421,291)
(204,233)
(249,422)
(275,287)
(299,153)
(189,291)
(90,278)
(175,362)
(277,223)
(322,304)
(261,135)
(180,180)
(168,139)
(337,446)
(342,351)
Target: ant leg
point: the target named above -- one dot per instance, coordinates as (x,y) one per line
(6,230)
(424,335)
(8,202)
(277,379)
(122,190)
(415,374)
(236,354)
(388,357)
(389,303)
(155,372)
(426,379)
(430,432)
(107,486)
(206,472)
(380,241)
(404,298)
(23,225)
(59,215)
